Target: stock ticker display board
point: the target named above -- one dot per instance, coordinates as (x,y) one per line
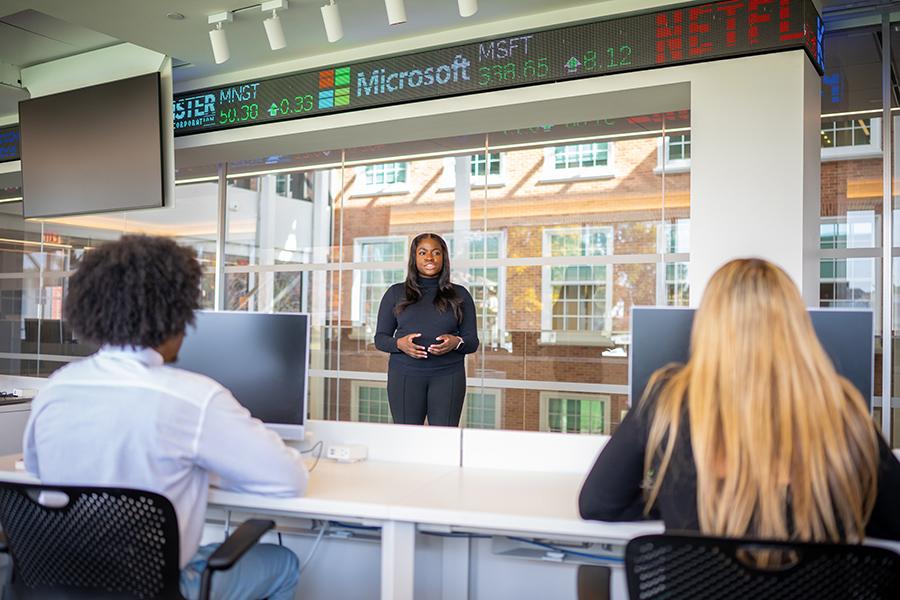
(716,30)
(9,143)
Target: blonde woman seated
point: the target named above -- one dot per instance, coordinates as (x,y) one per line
(756,435)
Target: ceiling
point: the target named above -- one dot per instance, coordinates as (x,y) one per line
(35,31)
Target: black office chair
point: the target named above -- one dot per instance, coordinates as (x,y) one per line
(682,567)
(79,542)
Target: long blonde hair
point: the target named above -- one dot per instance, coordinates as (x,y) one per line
(784,447)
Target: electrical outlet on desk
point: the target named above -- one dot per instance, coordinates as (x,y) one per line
(347,453)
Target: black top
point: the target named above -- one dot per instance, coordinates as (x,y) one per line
(613,489)
(424,317)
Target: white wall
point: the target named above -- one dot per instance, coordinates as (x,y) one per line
(755,166)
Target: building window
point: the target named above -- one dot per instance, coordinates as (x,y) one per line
(576,298)
(673,154)
(844,139)
(483,410)
(847,282)
(298,186)
(369,285)
(858,229)
(483,171)
(369,403)
(678,289)
(578,161)
(574,413)
(675,286)
(381,178)
(487,285)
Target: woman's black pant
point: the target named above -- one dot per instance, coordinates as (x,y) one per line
(438,397)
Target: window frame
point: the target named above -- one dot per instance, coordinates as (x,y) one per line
(862,151)
(663,163)
(448,176)
(550,174)
(544,410)
(581,337)
(355,386)
(361,188)
(356,300)
(497,393)
(476,263)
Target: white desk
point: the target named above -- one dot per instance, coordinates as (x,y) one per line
(399,497)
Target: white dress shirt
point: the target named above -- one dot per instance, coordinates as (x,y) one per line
(121,418)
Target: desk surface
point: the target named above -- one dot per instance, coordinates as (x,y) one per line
(533,503)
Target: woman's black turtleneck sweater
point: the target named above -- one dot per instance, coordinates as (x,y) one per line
(423,317)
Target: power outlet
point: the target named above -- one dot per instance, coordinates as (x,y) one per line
(347,452)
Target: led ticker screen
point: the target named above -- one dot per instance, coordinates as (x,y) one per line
(9,143)
(702,32)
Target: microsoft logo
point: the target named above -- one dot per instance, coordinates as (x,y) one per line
(334,87)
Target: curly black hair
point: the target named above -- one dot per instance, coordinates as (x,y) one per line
(138,291)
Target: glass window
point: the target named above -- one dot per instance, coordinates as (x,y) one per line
(575,413)
(484,170)
(851,138)
(482,410)
(577,297)
(381,178)
(371,401)
(371,284)
(578,160)
(673,153)
(485,284)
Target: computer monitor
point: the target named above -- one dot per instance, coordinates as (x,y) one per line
(262,358)
(662,335)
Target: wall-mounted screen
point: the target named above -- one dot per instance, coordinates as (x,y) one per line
(93,149)
(702,32)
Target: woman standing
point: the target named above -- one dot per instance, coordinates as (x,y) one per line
(756,436)
(428,325)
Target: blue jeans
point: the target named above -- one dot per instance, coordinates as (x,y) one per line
(265,571)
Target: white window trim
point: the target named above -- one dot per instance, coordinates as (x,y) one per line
(664,165)
(501,283)
(661,241)
(360,188)
(581,338)
(544,408)
(550,174)
(356,296)
(498,405)
(448,176)
(847,254)
(871,150)
(354,398)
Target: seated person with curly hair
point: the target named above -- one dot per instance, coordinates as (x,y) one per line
(132,421)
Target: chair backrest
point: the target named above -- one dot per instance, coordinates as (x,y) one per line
(109,540)
(678,567)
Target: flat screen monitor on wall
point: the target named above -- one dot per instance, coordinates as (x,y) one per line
(660,336)
(262,358)
(94,149)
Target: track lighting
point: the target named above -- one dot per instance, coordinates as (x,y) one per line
(273,24)
(217,36)
(467,8)
(396,11)
(334,30)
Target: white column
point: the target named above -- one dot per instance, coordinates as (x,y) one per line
(755,167)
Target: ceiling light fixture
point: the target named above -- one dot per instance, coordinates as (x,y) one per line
(331,17)
(467,8)
(217,36)
(396,11)
(274,31)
